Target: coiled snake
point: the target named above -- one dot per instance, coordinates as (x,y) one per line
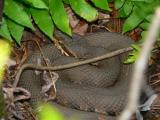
(99,88)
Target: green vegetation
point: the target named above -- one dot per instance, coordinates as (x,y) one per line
(138,14)
(18,15)
(48,112)
(5,48)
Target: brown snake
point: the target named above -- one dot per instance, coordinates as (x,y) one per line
(100,88)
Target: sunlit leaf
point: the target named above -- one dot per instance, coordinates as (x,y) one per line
(15,29)
(82,8)
(5,49)
(15,11)
(132,57)
(136,47)
(103,4)
(43,20)
(36,3)
(49,112)
(59,16)
(4,32)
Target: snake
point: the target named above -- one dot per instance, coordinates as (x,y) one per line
(93,91)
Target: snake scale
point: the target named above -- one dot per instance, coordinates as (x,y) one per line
(89,91)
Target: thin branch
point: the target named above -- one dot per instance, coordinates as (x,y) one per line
(155,75)
(157,81)
(139,68)
(70,65)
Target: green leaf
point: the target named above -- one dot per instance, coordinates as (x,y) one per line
(49,112)
(149,18)
(15,11)
(144,25)
(132,57)
(103,4)
(36,3)
(126,9)
(43,20)
(59,16)
(140,11)
(121,13)
(136,47)
(4,32)
(133,20)
(46,2)
(82,8)
(118,3)
(143,36)
(16,30)
(128,6)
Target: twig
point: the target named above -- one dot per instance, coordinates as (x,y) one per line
(155,75)
(139,68)
(70,65)
(154,83)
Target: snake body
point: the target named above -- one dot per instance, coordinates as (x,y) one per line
(99,88)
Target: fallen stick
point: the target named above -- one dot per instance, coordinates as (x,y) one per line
(70,65)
